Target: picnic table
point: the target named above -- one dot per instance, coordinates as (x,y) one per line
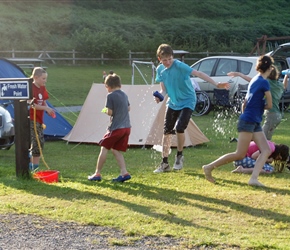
(27,63)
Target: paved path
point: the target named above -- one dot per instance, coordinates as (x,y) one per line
(68,109)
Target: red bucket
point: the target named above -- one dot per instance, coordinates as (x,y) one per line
(47,176)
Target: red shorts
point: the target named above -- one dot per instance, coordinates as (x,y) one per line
(117,139)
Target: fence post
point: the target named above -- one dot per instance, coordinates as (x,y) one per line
(130,57)
(102,57)
(13,53)
(74,56)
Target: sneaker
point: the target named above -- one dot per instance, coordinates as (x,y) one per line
(95,177)
(178,162)
(164,167)
(122,178)
(33,167)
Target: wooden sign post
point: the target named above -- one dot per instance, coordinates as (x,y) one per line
(19,90)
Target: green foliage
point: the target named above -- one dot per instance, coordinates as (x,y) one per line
(92,44)
(115,26)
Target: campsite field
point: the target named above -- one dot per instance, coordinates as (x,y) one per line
(69,85)
(226,215)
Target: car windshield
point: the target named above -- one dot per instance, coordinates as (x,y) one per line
(283,51)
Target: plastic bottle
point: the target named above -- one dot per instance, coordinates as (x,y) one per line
(286,72)
(158,95)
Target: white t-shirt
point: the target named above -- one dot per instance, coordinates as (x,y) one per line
(194,84)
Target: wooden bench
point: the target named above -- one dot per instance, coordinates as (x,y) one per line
(26,66)
(27,63)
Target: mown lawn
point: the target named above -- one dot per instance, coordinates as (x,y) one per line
(178,204)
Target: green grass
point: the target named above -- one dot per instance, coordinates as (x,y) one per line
(178,204)
(69,85)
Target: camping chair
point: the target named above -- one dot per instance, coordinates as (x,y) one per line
(222,103)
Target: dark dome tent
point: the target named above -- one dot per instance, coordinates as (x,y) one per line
(56,128)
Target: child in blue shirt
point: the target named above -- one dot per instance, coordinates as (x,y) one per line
(174,78)
(257,99)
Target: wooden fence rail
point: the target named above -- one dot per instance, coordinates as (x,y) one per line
(73,56)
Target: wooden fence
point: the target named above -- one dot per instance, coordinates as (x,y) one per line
(74,57)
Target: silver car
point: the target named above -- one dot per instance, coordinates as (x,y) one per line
(7,131)
(217,68)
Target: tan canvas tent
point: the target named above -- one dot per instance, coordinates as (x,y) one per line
(146,117)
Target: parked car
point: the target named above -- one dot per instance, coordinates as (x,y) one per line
(217,68)
(281,56)
(7,131)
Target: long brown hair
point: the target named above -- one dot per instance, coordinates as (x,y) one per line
(264,63)
(274,75)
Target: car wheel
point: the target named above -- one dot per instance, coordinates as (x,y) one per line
(10,141)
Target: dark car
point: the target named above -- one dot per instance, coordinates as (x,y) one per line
(281,56)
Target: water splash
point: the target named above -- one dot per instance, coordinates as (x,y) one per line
(225,125)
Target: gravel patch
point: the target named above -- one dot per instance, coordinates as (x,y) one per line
(33,232)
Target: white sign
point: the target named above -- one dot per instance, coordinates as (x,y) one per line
(15,89)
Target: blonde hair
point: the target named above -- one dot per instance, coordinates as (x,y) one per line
(38,71)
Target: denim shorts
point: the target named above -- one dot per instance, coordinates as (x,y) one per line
(252,127)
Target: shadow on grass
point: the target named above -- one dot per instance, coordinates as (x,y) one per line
(179,197)
(268,189)
(68,193)
(152,193)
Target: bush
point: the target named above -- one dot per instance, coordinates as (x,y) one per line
(92,44)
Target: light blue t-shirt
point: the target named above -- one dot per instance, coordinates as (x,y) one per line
(178,86)
(255,99)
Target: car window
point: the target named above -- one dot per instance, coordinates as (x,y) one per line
(225,66)
(206,66)
(282,51)
(281,65)
(245,67)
